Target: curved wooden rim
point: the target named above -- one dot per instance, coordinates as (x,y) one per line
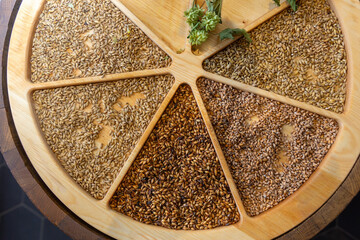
(299,225)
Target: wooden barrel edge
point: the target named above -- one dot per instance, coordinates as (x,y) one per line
(15,156)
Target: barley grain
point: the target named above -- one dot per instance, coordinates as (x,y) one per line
(300,55)
(93,128)
(89,38)
(176,180)
(271,148)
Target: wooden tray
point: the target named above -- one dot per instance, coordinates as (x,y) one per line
(186,68)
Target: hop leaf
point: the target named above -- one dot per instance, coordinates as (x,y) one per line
(293,4)
(230,32)
(209,21)
(193,15)
(202,22)
(277,2)
(214,6)
(197,36)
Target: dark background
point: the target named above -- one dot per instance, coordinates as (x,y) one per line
(21,220)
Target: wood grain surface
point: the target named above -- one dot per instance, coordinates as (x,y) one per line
(66,220)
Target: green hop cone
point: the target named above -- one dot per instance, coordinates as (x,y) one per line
(209,21)
(197,37)
(193,15)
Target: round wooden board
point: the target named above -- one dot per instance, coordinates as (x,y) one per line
(334,168)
